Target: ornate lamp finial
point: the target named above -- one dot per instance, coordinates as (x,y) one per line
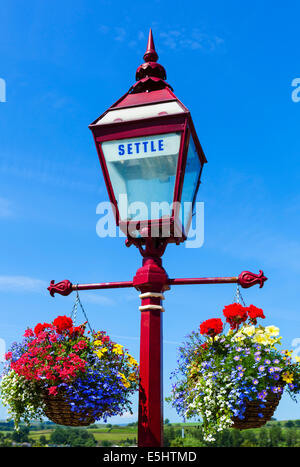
(150,75)
(150,54)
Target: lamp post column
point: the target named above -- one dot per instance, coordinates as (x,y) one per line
(151,280)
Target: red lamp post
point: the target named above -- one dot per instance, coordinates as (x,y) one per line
(149,152)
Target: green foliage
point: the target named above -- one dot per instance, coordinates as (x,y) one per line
(273,434)
(72,437)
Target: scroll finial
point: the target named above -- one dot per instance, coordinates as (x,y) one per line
(62,288)
(247,279)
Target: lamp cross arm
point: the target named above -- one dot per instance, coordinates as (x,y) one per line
(246,279)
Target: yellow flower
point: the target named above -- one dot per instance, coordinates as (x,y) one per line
(131,360)
(118,349)
(248,330)
(288,377)
(260,339)
(124,380)
(132,377)
(272,330)
(238,337)
(297,359)
(101,352)
(98,343)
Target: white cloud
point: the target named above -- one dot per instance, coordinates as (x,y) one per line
(98,299)
(182,39)
(21,284)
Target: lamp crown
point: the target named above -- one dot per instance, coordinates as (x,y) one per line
(150,76)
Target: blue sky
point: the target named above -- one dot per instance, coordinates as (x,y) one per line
(232,65)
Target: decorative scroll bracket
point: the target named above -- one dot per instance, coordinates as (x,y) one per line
(63,288)
(247,279)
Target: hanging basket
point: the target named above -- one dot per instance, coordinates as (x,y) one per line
(59,410)
(253,409)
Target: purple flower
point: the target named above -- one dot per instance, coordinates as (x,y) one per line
(255,381)
(236,358)
(262,395)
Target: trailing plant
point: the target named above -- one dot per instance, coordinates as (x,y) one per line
(97,375)
(219,374)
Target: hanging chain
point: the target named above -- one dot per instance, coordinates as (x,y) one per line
(238,296)
(75,308)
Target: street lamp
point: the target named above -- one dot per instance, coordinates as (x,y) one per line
(149,153)
(150,156)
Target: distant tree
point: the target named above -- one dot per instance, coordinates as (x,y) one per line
(106,443)
(291,437)
(289,424)
(21,436)
(250,437)
(177,442)
(43,440)
(167,421)
(236,438)
(263,437)
(275,435)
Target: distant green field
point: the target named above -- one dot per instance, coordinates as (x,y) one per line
(114,435)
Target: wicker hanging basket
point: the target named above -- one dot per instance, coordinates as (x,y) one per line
(252,419)
(58,410)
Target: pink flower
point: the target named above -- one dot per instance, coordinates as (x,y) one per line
(52,390)
(82,344)
(8,355)
(28,333)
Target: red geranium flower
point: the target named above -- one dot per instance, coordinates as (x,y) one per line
(254,312)
(40,327)
(211,327)
(28,333)
(52,390)
(62,323)
(235,314)
(8,355)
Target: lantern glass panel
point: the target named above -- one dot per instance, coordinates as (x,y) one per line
(191,177)
(142,172)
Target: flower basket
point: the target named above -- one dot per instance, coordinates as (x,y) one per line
(234,379)
(255,415)
(71,377)
(58,409)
